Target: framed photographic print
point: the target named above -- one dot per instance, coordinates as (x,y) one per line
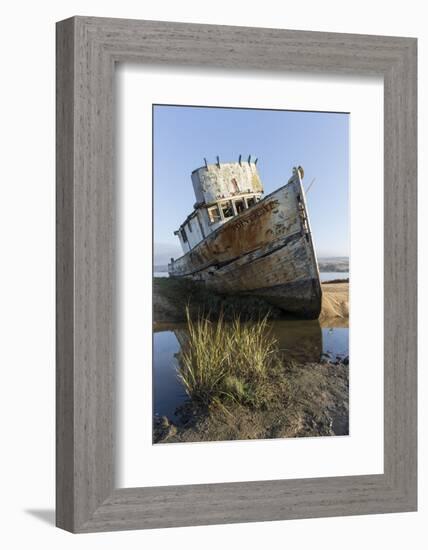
(236,274)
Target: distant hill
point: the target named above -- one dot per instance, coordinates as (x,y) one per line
(337,264)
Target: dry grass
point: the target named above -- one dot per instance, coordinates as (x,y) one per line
(228,362)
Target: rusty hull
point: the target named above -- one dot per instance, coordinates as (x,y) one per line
(266,251)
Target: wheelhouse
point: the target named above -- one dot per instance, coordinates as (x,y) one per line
(223,191)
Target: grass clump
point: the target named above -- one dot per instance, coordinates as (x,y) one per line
(228,361)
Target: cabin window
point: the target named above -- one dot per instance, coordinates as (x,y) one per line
(227,209)
(251,201)
(239,206)
(183,235)
(214,214)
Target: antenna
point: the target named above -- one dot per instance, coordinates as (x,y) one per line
(218,161)
(206,163)
(309,186)
(240,158)
(255,162)
(249,159)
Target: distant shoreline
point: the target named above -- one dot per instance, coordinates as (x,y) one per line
(325,265)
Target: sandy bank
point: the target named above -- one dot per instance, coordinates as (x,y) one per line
(335,305)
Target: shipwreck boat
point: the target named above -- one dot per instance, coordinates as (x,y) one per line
(238,241)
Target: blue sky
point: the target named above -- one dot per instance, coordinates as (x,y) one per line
(319,142)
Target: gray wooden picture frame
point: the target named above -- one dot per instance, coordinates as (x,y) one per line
(87,50)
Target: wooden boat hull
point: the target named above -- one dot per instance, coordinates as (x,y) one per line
(266,251)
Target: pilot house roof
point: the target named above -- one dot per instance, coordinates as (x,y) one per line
(214,182)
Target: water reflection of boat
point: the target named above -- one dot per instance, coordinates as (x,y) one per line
(300,340)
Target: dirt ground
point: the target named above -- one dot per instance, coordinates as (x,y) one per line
(310,400)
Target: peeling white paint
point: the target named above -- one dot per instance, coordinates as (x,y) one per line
(222,191)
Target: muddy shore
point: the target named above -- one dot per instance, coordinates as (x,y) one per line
(311,400)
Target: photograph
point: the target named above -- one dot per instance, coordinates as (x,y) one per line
(250,274)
